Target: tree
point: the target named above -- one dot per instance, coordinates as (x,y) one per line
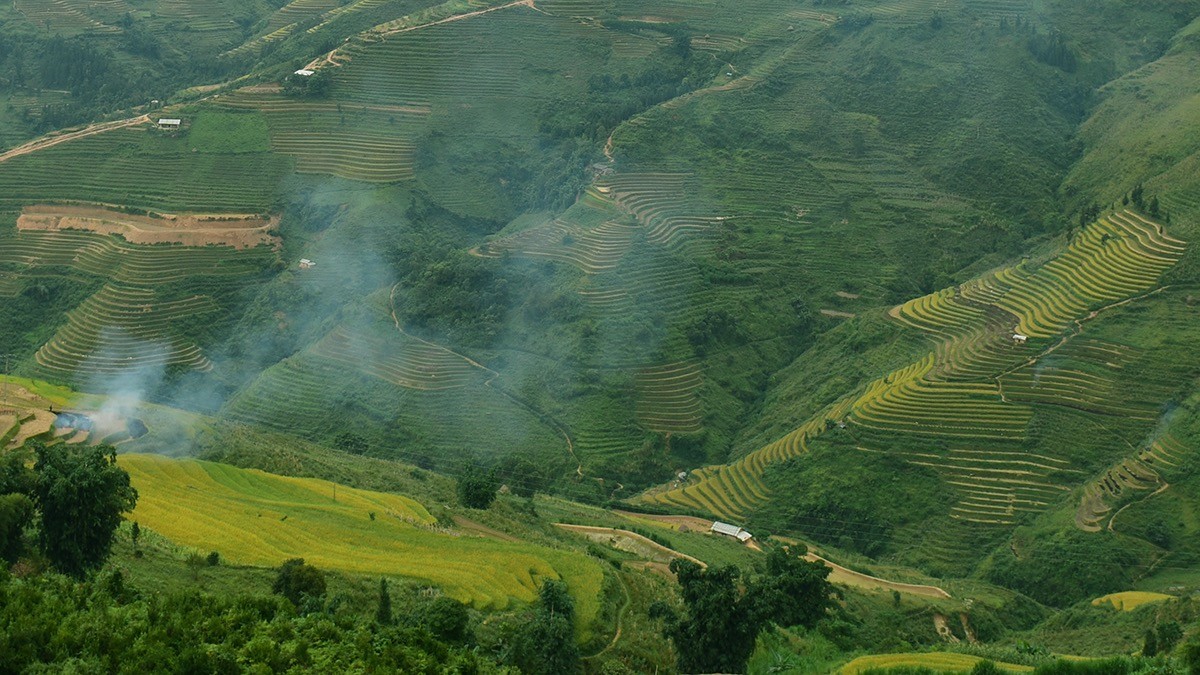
(1169,635)
(717,634)
(82,494)
(722,622)
(383,612)
(297,580)
(794,591)
(446,618)
(16,510)
(523,477)
(547,643)
(477,488)
(1191,657)
(1150,644)
(135,533)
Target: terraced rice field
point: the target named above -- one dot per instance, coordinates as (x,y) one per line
(197,15)
(663,203)
(132,322)
(370,143)
(411,391)
(256,518)
(136,168)
(402,361)
(1138,474)
(970,400)
(61,16)
(668,398)
(410,68)
(589,236)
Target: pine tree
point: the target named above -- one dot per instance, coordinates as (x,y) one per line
(383,614)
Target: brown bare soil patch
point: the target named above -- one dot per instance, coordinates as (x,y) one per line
(837,314)
(630,542)
(191,229)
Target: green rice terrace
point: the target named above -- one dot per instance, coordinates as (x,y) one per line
(600,336)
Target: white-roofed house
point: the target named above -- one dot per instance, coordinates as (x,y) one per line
(731,531)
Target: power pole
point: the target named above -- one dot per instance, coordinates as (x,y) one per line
(7,360)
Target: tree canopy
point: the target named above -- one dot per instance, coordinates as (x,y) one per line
(81,494)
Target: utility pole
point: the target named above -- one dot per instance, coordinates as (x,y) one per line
(7,360)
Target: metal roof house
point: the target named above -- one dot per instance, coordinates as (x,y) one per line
(731,531)
(305,72)
(169,123)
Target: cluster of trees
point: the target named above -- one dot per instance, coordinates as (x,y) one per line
(1052,49)
(853,501)
(66,509)
(105,625)
(724,611)
(99,74)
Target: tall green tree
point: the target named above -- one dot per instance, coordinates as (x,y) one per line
(16,510)
(793,592)
(82,494)
(718,631)
(383,612)
(547,644)
(725,612)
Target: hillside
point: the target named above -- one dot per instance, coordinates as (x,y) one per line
(914,282)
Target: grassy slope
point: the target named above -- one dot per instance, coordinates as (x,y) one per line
(262,519)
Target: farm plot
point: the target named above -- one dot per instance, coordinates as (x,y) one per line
(255,518)
(964,409)
(494,56)
(413,398)
(135,167)
(370,143)
(60,16)
(668,398)
(138,318)
(198,15)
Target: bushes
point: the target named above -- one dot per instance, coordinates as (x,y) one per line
(298,581)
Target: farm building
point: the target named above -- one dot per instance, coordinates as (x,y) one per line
(305,72)
(1020,338)
(306,264)
(169,123)
(731,531)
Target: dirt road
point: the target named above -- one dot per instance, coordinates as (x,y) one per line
(90,130)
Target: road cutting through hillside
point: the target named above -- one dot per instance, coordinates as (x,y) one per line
(90,130)
(331,58)
(840,574)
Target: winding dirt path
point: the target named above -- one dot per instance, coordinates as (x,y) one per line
(331,58)
(90,130)
(458,17)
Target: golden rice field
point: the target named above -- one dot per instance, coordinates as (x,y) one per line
(1127,601)
(255,518)
(974,390)
(941,662)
